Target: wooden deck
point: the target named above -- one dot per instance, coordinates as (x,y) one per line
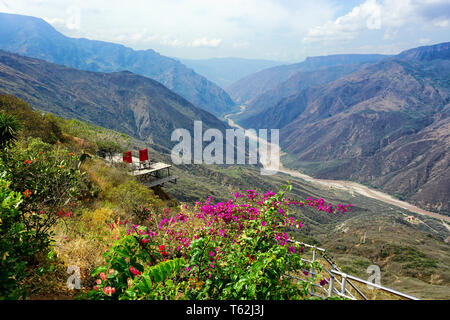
(159,182)
(153,168)
(151,176)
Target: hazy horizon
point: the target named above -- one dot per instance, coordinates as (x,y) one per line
(283,31)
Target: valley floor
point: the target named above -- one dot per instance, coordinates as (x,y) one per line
(348,186)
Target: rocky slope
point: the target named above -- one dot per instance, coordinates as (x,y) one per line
(299,81)
(122,101)
(249,88)
(35,38)
(386,125)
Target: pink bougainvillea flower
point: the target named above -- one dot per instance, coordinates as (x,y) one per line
(99,281)
(111,271)
(134,271)
(103,276)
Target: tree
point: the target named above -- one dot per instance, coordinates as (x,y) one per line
(108,147)
(9,127)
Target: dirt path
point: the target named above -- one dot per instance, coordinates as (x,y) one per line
(348,186)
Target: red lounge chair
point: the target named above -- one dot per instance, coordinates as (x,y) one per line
(127,157)
(143,159)
(143,155)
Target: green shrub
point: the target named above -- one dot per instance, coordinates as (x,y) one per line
(14,244)
(136,200)
(50,181)
(134,270)
(9,127)
(34,123)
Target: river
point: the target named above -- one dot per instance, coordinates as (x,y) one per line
(349,186)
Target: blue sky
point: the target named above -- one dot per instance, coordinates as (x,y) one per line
(283,30)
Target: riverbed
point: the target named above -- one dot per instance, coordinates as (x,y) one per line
(349,186)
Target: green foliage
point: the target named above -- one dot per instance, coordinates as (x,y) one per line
(105,142)
(51,184)
(134,268)
(413,258)
(108,147)
(136,199)
(14,244)
(9,127)
(156,283)
(34,123)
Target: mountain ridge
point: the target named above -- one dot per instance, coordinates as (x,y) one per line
(249,88)
(386,125)
(31,36)
(123,101)
(225,71)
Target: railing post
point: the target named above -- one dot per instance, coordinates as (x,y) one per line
(344,279)
(313,270)
(331,287)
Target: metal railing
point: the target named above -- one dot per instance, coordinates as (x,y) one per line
(336,287)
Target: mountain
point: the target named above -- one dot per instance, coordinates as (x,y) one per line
(299,81)
(33,37)
(121,101)
(252,86)
(387,125)
(427,53)
(225,71)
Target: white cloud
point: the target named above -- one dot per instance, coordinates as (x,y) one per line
(55,21)
(387,15)
(241,45)
(347,27)
(268,29)
(424,41)
(171,42)
(71,19)
(442,23)
(205,42)
(192,24)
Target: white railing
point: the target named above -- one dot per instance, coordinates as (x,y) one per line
(336,287)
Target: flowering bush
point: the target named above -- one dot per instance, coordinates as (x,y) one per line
(135,267)
(50,182)
(233,250)
(15,245)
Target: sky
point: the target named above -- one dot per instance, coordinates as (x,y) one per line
(280,30)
